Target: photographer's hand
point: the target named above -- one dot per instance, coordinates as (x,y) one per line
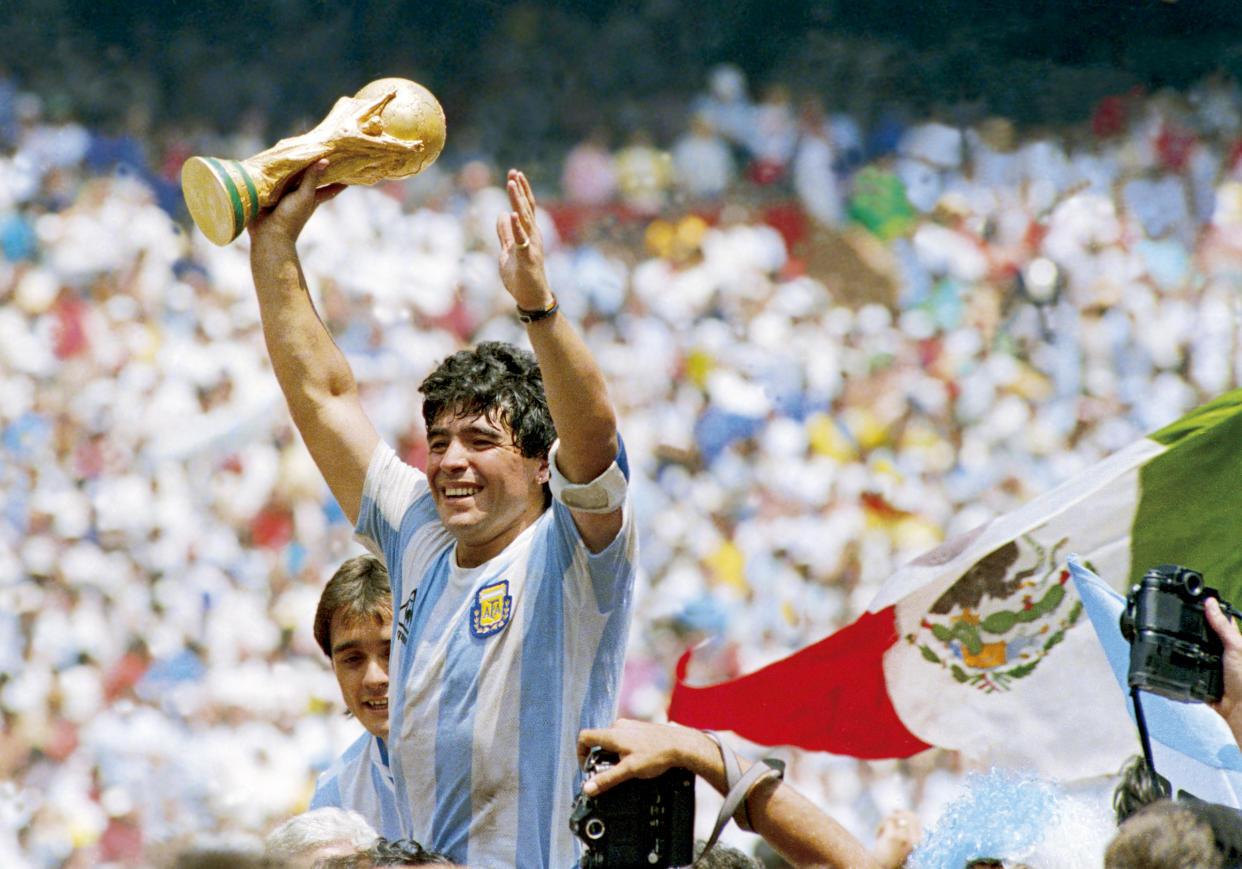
(1230,705)
(646,750)
(802,834)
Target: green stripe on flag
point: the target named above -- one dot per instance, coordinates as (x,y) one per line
(1203,417)
(1190,502)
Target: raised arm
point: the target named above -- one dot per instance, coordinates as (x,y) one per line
(314,375)
(585,420)
(801,833)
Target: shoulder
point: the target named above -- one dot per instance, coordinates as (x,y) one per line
(392,488)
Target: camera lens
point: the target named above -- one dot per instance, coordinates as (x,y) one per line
(594,829)
(1193,583)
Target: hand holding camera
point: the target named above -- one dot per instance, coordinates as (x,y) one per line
(1230,705)
(638,753)
(1173,651)
(637,815)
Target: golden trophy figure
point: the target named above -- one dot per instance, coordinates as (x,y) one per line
(392,128)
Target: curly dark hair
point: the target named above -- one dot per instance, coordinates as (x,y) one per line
(493,378)
(1139,786)
(386,852)
(405,852)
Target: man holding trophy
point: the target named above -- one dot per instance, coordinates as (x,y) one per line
(511,558)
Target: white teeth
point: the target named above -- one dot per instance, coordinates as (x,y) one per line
(456,493)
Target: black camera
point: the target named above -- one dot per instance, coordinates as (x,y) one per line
(1173,650)
(638,824)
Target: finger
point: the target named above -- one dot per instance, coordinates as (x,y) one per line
(588,739)
(522,199)
(323,194)
(521,235)
(518,205)
(527,190)
(1224,626)
(313,173)
(305,182)
(607,778)
(504,231)
(514,189)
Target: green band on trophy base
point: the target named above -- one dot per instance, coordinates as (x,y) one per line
(239,210)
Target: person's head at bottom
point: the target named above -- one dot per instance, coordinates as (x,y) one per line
(306,838)
(1165,834)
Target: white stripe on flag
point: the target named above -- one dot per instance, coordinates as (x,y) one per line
(1024,697)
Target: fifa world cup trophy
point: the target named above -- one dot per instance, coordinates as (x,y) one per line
(392,128)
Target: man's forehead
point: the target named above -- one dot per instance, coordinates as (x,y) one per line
(349,628)
(454,420)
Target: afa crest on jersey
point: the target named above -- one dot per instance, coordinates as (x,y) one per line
(491,611)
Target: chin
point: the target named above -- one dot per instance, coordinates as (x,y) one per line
(457,517)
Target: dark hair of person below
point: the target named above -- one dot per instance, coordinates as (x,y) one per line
(722,856)
(1139,786)
(386,852)
(497,379)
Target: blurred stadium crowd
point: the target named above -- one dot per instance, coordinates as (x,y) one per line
(834,340)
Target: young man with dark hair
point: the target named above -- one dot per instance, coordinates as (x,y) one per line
(513,607)
(353,626)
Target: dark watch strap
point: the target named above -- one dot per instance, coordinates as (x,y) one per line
(535,316)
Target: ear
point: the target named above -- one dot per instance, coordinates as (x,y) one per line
(542,474)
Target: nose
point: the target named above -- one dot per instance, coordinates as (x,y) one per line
(376,673)
(455,454)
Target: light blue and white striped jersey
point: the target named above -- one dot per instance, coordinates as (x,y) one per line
(360,780)
(494,670)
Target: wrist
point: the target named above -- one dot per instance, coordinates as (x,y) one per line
(701,755)
(534,315)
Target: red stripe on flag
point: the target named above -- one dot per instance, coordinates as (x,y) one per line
(830,696)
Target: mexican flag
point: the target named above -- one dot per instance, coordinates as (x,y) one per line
(982,645)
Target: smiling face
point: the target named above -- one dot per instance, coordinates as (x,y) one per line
(485,490)
(360,661)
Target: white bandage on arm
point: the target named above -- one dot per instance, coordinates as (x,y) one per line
(604,494)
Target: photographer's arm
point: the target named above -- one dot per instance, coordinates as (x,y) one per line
(1230,705)
(802,834)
